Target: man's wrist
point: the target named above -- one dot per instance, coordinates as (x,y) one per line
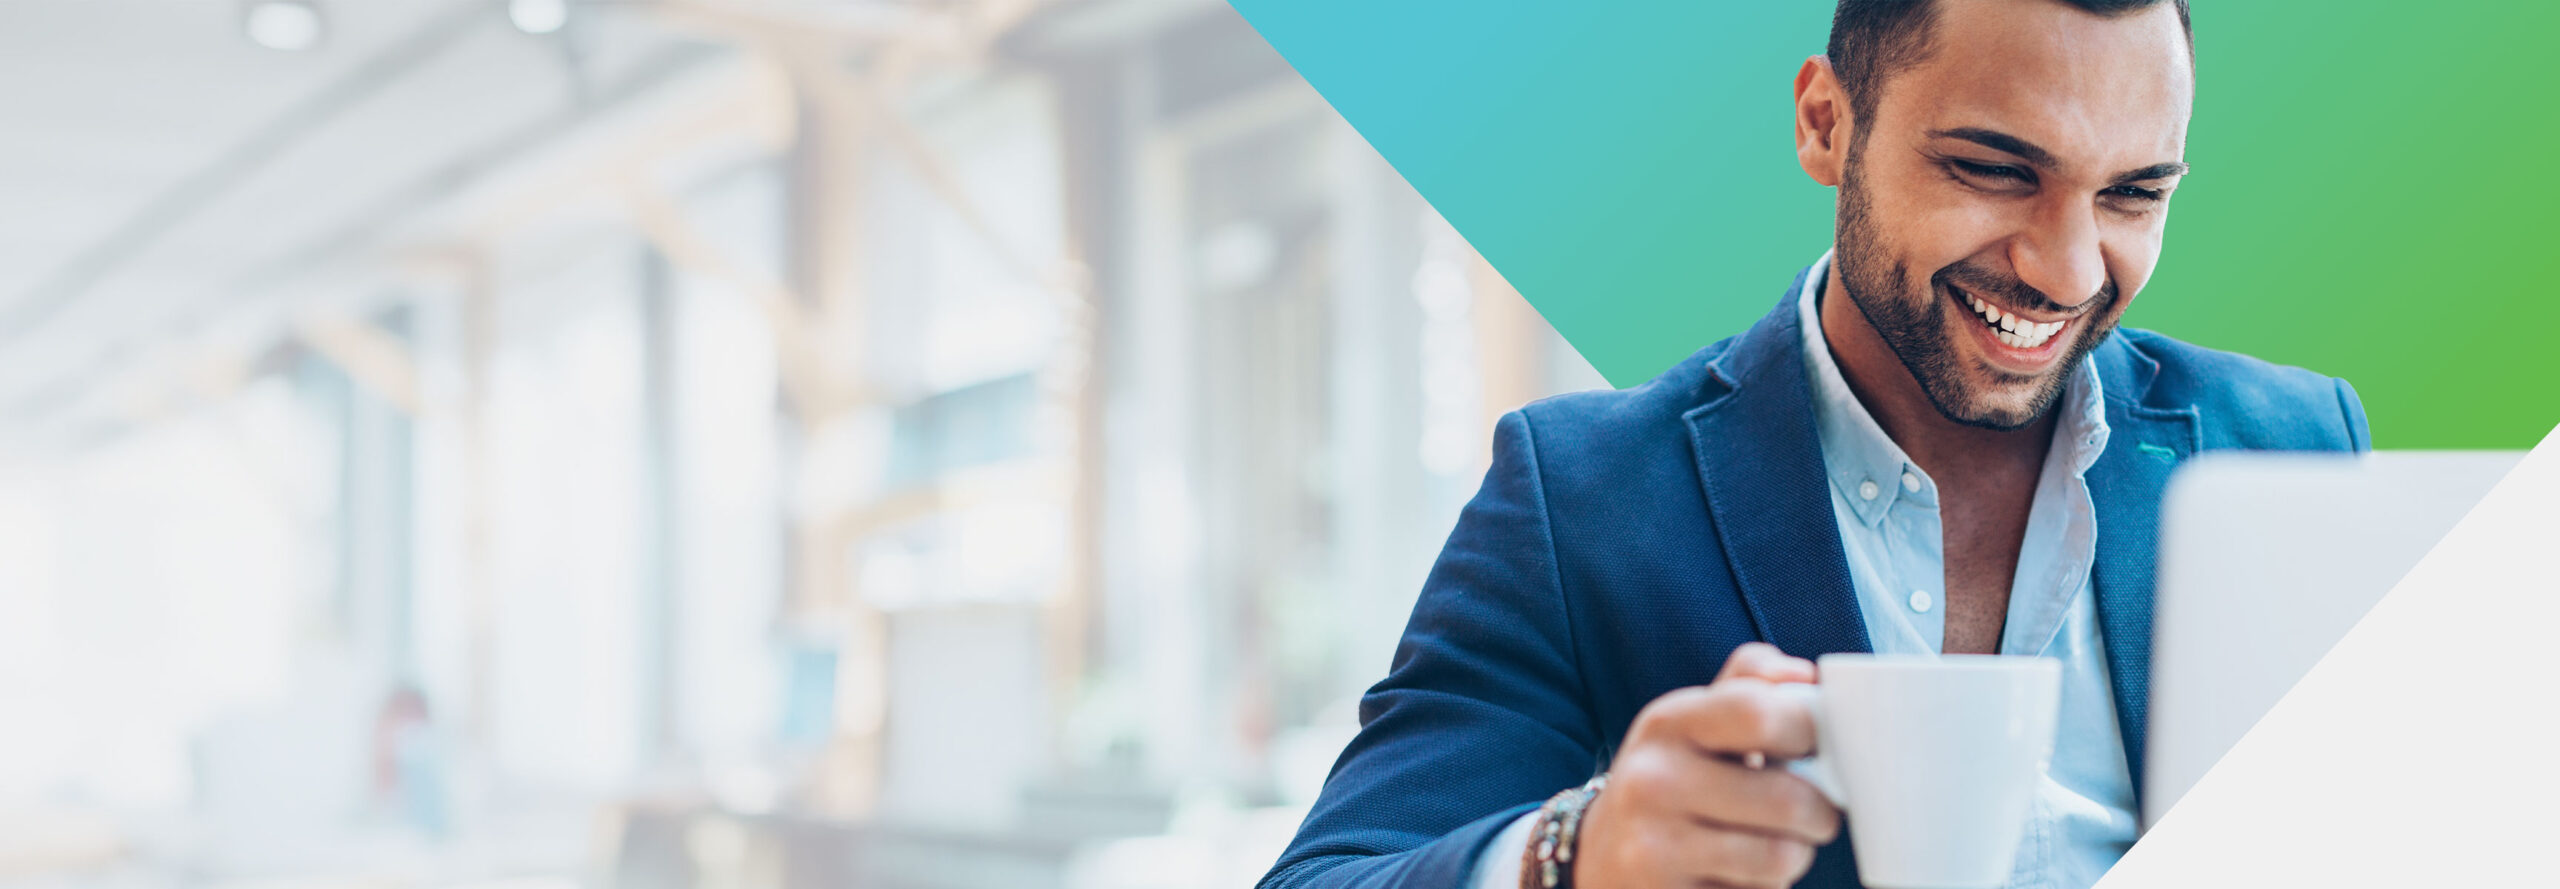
(1547,863)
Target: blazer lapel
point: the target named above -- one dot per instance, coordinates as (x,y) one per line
(2145,442)
(1760,461)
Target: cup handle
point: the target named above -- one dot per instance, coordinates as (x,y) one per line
(1811,768)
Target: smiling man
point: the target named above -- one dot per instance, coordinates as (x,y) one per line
(1938,441)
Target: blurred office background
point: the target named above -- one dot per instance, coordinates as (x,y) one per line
(673,443)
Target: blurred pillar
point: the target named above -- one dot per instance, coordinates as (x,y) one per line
(1382,500)
(824,239)
(663,532)
(1095,137)
(479,345)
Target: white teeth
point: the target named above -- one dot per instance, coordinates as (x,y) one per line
(2012,330)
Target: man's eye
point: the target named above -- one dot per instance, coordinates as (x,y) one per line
(1991,171)
(2135,192)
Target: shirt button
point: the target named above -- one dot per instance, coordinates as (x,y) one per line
(1911,482)
(1921,600)
(1867,489)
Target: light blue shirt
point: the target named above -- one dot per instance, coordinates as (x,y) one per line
(2083,816)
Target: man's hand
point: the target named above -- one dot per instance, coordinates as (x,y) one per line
(1686,807)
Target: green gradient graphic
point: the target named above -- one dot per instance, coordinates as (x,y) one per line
(2371,198)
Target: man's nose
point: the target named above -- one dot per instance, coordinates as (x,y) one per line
(2060,255)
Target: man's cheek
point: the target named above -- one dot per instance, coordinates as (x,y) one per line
(1936,239)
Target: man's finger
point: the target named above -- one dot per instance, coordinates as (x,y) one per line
(1766,800)
(1734,717)
(1715,791)
(1761,660)
(1739,859)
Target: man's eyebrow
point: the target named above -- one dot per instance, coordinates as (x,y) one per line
(1999,141)
(2155,171)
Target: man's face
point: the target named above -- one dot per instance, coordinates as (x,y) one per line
(2006,201)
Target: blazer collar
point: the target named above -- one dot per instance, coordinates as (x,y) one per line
(1760,460)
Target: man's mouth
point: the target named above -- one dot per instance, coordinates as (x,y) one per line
(2008,328)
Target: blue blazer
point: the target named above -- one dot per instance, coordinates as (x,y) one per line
(1625,542)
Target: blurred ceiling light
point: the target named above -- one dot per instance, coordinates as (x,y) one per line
(538,16)
(288,25)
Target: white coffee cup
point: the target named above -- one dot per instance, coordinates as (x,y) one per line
(1935,759)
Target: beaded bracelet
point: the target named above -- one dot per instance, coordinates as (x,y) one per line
(1548,862)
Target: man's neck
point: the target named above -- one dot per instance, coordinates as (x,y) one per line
(1890,394)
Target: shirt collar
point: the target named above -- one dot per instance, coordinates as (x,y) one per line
(1869,470)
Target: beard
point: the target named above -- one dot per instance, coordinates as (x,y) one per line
(1914,319)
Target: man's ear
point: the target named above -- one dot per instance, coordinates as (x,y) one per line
(1822,122)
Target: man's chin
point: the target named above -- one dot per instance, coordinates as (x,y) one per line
(2005,407)
(1998,420)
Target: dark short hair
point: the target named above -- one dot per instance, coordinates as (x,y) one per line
(1872,39)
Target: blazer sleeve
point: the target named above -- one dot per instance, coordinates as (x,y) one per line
(1481,715)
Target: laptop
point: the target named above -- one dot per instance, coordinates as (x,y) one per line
(2266,560)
